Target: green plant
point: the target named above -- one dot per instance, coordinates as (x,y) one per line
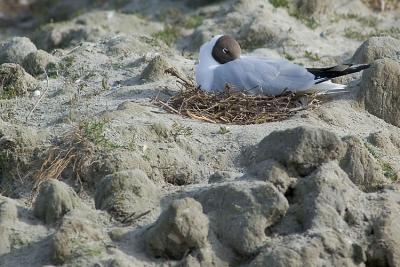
(279,3)
(193,21)
(94,131)
(288,56)
(146,157)
(8,94)
(223,130)
(371,150)
(310,22)
(179,129)
(389,172)
(352,34)
(312,56)
(168,35)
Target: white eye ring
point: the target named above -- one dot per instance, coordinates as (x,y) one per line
(226,51)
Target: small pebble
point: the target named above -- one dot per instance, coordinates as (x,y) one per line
(36,93)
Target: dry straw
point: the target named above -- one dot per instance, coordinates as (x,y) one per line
(74,154)
(233,107)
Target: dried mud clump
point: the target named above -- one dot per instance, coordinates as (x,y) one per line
(301,149)
(56,36)
(37,62)
(15,50)
(380,90)
(14,81)
(54,200)
(246,209)
(315,230)
(125,193)
(79,237)
(363,169)
(284,155)
(180,228)
(155,70)
(377,48)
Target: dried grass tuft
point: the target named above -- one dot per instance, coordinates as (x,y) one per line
(73,155)
(233,107)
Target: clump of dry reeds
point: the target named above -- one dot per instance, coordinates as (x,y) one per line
(233,106)
(74,153)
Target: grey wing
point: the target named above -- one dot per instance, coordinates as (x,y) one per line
(271,77)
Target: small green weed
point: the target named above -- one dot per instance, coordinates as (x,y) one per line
(8,94)
(389,172)
(279,3)
(168,35)
(288,56)
(193,21)
(179,129)
(312,56)
(223,130)
(95,132)
(310,22)
(351,34)
(371,150)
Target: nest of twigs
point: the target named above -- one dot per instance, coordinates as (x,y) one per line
(233,107)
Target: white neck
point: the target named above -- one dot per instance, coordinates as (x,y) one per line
(207,62)
(205,55)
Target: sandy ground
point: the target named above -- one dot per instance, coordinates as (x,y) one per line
(100,80)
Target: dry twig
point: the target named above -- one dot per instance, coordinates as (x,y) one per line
(41,97)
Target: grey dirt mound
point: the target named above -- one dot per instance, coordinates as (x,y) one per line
(93,172)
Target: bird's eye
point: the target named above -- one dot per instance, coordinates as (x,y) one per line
(225,50)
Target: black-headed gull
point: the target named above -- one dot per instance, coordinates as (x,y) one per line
(221,63)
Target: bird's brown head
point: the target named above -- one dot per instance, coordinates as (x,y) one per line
(226,49)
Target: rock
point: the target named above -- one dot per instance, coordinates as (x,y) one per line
(387,142)
(36,62)
(325,248)
(301,149)
(126,192)
(222,176)
(377,48)
(8,211)
(240,212)
(79,237)
(206,257)
(55,199)
(59,10)
(8,217)
(14,50)
(61,36)
(361,167)
(5,245)
(380,90)
(385,249)
(259,34)
(155,70)
(14,81)
(179,229)
(325,199)
(117,234)
(273,172)
(289,255)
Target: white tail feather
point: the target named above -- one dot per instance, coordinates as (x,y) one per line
(327,86)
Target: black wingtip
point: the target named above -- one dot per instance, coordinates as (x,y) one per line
(323,74)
